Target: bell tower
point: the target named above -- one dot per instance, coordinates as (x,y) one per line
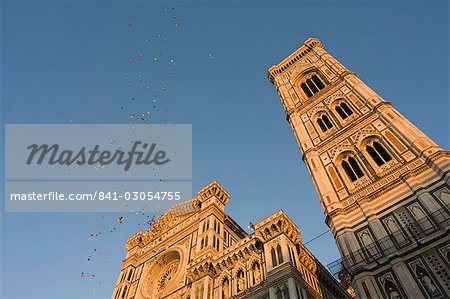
(383,183)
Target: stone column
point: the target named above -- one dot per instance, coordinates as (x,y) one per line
(272,294)
(304,294)
(408,284)
(292,290)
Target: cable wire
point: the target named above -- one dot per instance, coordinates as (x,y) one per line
(316,237)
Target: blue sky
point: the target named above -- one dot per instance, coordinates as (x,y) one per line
(69,62)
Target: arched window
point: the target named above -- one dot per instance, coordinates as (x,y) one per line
(378,153)
(306,90)
(124,292)
(346,109)
(274,257)
(343,110)
(324,123)
(130,274)
(318,82)
(292,256)
(352,169)
(321,125)
(327,121)
(280,254)
(312,86)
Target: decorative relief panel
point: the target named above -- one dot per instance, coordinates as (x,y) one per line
(325,159)
(363,133)
(395,231)
(336,95)
(345,89)
(444,196)
(341,147)
(343,194)
(440,270)
(361,182)
(316,109)
(420,215)
(388,165)
(445,251)
(379,125)
(370,249)
(305,117)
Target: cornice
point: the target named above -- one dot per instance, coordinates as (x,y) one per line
(307,46)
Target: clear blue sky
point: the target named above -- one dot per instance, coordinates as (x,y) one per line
(69,61)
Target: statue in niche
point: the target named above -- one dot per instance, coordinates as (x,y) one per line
(256,274)
(241,281)
(426,280)
(225,289)
(392,290)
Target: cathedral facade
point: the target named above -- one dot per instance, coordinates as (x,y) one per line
(197,251)
(383,184)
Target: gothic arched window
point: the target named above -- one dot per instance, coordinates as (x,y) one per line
(306,90)
(318,82)
(327,121)
(130,274)
(274,257)
(352,169)
(312,86)
(343,110)
(378,153)
(124,292)
(321,125)
(280,254)
(324,123)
